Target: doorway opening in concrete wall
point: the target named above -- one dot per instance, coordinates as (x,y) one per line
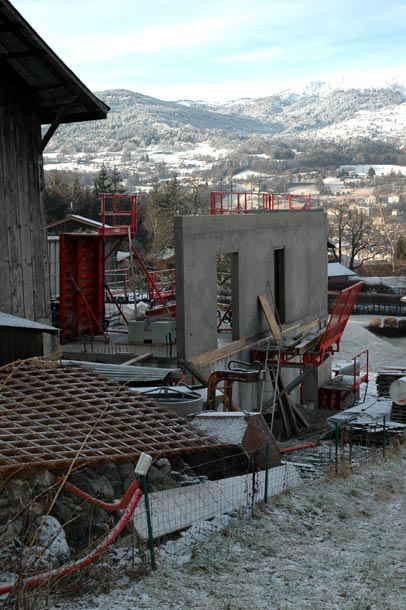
(279,285)
(227,294)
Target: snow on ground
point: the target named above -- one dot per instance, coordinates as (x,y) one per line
(382,352)
(333,544)
(380,170)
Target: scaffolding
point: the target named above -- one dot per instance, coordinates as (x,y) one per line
(84,278)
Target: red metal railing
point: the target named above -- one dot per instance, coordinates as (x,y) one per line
(360,372)
(118,214)
(285,201)
(229,202)
(161,284)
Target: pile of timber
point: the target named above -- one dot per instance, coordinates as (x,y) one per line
(387,376)
(398,413)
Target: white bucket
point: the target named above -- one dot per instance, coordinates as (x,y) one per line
(397,391)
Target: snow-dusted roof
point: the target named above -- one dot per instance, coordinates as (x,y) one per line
(83,219)
(10,321)
(338,270)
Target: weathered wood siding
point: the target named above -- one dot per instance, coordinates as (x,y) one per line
(24,283)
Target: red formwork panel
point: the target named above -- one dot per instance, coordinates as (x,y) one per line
(81,285)
(330,340)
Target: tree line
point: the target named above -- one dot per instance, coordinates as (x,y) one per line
(358,235)
(68,193)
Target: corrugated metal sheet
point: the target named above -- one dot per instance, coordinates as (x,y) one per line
(124,373)
(53,416)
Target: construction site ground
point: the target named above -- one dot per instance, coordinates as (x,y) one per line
(335,544)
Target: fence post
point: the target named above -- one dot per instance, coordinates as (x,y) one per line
(336,449)
(267,451)
(144,483)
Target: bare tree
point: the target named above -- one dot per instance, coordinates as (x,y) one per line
(338,220)
(390,236)
(356,235)
(363,243)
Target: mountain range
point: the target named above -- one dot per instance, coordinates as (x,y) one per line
(317,113)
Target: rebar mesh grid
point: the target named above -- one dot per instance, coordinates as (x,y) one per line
(51,415)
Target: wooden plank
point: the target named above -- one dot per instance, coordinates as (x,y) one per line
(282,410)
(138,358)
(308,343)
(273,325)
(317,324)
(218,354)
(300,417)
(5,292)
(195,371)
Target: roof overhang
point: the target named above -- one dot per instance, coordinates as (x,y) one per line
(57,94)
(9,321)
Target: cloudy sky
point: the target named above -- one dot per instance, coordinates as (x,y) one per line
(221,49)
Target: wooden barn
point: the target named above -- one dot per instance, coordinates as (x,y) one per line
(36,89)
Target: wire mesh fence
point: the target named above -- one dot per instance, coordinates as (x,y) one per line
(186,501)
(182,517)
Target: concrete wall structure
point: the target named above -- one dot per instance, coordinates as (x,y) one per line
(251,240)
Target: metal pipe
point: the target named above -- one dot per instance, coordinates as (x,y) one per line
(95,501)
(298,447)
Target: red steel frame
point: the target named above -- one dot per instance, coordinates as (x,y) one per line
(330,340)
(360,369)
(124,224)
(164,280)
(82,281)
(115,219)
(81,305)
(222,318)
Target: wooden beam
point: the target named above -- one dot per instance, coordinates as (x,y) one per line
(273,325)
(55,124)
(20,54)
(138,358)
(219,353)
(308,342)
(302,328)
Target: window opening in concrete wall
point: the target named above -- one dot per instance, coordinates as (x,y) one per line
(227,294)
(279,285)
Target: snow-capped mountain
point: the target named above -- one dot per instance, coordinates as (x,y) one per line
(320,111)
